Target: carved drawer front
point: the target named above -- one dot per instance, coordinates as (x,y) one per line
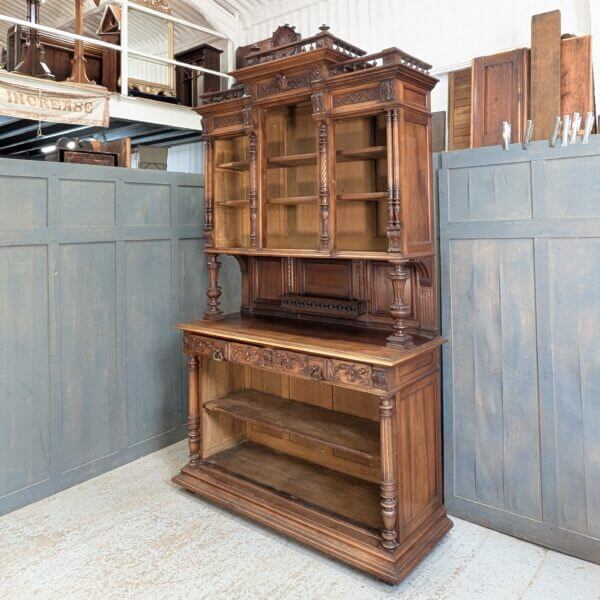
(247,355)
(350,373)
(196,344)
(304,365)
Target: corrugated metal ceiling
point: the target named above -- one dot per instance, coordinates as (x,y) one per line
(60,14)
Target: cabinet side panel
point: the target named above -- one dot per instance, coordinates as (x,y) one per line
(418,438)
(417,208)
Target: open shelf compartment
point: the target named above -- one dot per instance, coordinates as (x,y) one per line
(291,200)
(231,205)
(362,180)
(334,493)
(303,439)
(353,435)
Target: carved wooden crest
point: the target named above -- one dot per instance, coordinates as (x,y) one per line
(284,34)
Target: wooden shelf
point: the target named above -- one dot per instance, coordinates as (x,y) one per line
(354,435)
(238,165)
(232,203)
(363,197)
(352,154)
(335,493)
(366,153)
(291,200)
(293,160)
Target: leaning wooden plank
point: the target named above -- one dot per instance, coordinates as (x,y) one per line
(545,72)
(577,88)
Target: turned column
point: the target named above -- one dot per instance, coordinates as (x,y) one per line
(388,486)
(194,412)
(208,195)
(324,237)
(399,309)
(213,291)
(394,228)
(253,189)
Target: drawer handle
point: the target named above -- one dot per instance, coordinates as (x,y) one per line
(217,355)
(316,373)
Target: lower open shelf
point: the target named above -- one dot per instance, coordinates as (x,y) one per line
(340,495)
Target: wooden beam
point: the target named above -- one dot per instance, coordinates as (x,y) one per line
(545,72)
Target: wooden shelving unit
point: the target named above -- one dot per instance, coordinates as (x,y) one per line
(348,497)
(316,411)
(291,201)
(233,203)
(353,435)
(296,160)
(366,153)
(363,197)
(238,165)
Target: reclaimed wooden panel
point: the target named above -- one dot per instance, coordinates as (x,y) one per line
(24,399)
(71,279)
(32,208)
(459,109)
(149,339)
(500,93)
(438,131)
(575,325)
(521,310)
(495,374)
(146,204)
(569,195)
(577,83)
(85,203)
(190,211)
(88,332)
(545,72)
(490,192)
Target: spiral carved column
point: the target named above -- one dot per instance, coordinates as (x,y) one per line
(388,486)
(325,239)
(194,412)
(253,189)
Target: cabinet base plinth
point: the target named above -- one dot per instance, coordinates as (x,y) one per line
(349,542)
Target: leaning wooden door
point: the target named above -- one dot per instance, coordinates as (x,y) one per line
(520,249)
(500,93)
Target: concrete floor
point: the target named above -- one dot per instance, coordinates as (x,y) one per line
(132,534)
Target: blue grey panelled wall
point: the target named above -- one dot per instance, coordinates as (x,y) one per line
(96,265)
(520,245)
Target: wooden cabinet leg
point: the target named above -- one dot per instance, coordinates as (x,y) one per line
(399,309)
(214,312)
(194,412)
(388,485)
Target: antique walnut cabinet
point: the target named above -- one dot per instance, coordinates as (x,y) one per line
(316,411)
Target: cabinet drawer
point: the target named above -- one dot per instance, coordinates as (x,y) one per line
(349,373)
(203,346)
(317,368)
